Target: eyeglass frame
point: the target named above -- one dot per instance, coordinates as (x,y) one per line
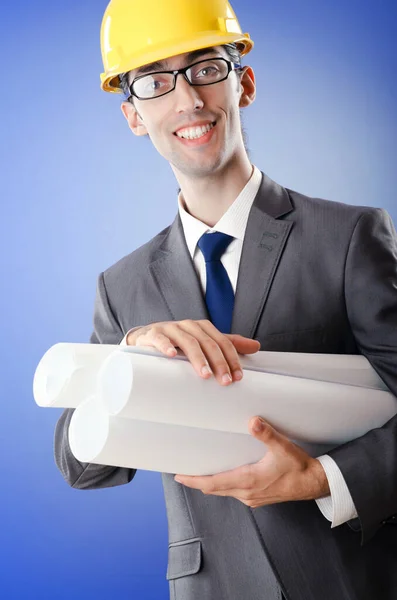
(232,66)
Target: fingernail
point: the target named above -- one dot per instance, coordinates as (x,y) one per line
(226,378)
(238,375)
(259,425)
(206,371)
(256,339)
(177,479)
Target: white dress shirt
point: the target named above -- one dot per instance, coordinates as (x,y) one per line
(338,507)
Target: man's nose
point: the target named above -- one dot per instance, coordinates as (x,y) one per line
(187,97)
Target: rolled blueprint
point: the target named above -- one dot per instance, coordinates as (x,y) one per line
(137,408)
(67,373)
(351,369)
(160,390)
(96,437)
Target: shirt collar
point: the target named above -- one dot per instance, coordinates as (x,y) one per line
(233,222)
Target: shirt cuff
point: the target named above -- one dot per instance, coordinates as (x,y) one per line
(124,340)
(338,507)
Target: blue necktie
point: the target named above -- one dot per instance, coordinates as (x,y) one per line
(219,295)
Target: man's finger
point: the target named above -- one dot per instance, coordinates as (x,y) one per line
(244,345)
(228,350)
(219,351)
(239,478)
(157,340)
(190,346)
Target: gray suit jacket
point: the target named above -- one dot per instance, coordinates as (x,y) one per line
(315,276)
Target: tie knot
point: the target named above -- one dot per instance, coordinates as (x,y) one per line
(213,245)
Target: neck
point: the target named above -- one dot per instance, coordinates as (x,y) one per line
(208,198)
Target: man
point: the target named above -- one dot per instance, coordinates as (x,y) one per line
(246,258)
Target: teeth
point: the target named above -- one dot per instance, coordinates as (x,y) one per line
(194,133)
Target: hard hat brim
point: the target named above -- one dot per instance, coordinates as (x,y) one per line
(110,81)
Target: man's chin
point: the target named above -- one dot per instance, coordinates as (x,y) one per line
(199,167)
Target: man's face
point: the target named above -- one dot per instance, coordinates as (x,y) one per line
(215,106)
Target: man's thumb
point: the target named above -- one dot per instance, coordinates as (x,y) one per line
(262,430)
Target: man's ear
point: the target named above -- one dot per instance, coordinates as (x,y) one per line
(135,121)
(247,87)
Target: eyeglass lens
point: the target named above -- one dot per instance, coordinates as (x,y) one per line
(201,73)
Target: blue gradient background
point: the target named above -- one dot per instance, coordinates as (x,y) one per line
(79,192)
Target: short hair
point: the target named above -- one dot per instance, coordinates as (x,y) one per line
(231,50)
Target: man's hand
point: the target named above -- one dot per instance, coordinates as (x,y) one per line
(285,473)
(208,350)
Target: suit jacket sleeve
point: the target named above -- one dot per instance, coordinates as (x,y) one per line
(369,463)
(84,475)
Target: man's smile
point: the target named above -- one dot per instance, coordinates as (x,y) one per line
(196,135)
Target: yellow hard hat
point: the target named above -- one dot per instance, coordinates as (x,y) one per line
(138,32)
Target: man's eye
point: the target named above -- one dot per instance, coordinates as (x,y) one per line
(207,72)
(154,84)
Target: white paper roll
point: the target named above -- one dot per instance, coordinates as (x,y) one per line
(67,373)
(169,391)
(163,417)
(349,369)
(95,437)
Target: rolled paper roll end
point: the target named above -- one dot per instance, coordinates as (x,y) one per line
(67,373)
(88,430)
(115,382)
(52,374)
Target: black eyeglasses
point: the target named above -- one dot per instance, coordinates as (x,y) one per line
(204,72)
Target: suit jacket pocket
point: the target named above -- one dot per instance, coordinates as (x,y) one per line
(184,558)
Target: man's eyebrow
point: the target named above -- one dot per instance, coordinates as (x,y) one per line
(199,53)
(160,65)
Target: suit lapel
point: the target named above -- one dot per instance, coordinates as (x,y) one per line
(176,278)
(264,241)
